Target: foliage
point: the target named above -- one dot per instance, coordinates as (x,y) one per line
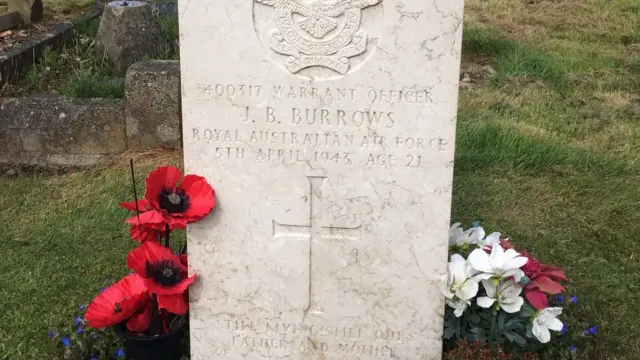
(77,71)
(488,326)
(73,340)
(493,313)
(477,350)
(153,299)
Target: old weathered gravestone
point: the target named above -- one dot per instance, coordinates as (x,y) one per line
(327,129)
(128,32)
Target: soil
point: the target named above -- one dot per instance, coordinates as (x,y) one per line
(17,36)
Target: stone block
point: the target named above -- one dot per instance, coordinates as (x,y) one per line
(127,33)
(9,20)
(65,131)
(153,105)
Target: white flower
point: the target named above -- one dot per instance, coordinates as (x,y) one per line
(477,237)
(459,285)
(458,305)
(545,320)
(506,293)
(492,239)
(459,281)
(500,264)
(458,236)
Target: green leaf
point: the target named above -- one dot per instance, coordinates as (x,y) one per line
(501,320)
(515,323)
(448,332)
(515,338)
(527,311)
(530,332)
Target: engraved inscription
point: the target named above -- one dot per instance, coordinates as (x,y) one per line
(325,33)
(312,231)
(275,334)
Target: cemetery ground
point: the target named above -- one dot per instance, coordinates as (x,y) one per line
(76,70)
(547,153)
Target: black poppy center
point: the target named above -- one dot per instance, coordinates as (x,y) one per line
(174,201)
(117,308)
(166,273)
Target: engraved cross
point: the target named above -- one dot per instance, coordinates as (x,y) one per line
(315,229)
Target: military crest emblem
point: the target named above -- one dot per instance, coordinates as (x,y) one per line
(323,33)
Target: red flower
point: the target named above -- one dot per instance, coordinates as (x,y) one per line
(544,280)
(141,320)
(164,273)
(170,203)
(117,303)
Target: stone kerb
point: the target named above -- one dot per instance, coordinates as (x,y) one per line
(58,131)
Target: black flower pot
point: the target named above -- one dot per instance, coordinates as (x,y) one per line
(163,347)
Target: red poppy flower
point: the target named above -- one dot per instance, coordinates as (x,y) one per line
(164,273)
(168,203)
(544,281)
(147,226)
(141,320)
(141,233)
(181,202)
(117,303)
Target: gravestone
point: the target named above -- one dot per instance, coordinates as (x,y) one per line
(127,33)
(327,129)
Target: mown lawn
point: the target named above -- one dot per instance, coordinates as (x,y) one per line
(548,150)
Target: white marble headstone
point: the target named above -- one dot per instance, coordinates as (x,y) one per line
(327,130)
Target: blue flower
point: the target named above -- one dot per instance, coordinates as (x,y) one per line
(119,353)
(574,299)
(593,330)
(94,358)
(80,330)
(560,299)
(572,348)
(82,307)
(103,289)
(564,329)
(65,341)
(94,336)
(78,320)
(51,334)
(586,332)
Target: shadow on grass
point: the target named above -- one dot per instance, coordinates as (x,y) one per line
(514,59)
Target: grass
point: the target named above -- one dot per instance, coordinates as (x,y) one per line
(547,153)
(78,71)
(66,6)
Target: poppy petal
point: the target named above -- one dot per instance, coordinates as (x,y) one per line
(537,299)
(152,218)
(164,177)
(175,222)
(140,321)
(143,233)
(148,252)
(116,303)
(143,205)
(180,288)
(183,260)
(177,304)
(201,197)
